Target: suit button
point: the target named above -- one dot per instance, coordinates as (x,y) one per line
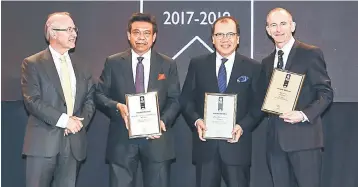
(64,104)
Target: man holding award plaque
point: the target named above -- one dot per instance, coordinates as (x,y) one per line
(217,100)
(298,93)
(140,90)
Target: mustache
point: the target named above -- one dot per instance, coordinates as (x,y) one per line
(141,42)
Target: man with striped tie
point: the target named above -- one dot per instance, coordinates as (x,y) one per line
(224,71)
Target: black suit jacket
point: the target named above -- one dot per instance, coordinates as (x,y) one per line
(116,81)
(316,94)
(45,102)
(201,78)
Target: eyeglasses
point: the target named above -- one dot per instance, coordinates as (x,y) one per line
(228,35)
(137,33)
(69,29)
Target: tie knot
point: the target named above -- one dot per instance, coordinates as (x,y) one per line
(63,59)
(223,60)
(140,59)
(280,53)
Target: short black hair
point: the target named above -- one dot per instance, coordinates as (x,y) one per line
(143,17)
(224,19)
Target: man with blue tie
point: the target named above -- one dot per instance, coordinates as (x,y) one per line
(139,69)
(295,138)
(224,71)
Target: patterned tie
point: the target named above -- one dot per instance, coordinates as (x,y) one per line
(222,76)
(280,59)
(66,85)
(139,77)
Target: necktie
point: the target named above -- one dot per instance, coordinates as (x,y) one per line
(139,77)
(222,76)
(66,85)
(280,59)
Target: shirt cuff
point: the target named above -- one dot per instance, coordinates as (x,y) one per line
(62,121)
(304,117)
(197,121)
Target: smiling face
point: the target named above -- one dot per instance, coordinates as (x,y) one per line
(141,36)
(62,33)
(225,37)
(280,26)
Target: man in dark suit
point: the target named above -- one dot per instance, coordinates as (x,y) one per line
(224,71)
(295,138)
(59,98)
(139,70)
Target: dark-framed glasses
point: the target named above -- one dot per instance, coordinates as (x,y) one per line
(69,29)
(228,35)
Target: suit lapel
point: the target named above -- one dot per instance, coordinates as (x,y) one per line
(52,73)
(271,60)
(291,55)
(155,70)
(235,73)
(128,71)
(79,83)
(210,66)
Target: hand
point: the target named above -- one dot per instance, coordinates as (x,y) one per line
(66,132)
(162,126)
(236,133)
(123,109)
(292,117)
(201,127)
(74,124)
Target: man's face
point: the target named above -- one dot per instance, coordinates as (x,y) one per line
(141,37)
(225,37)
(66,37)
(280,27)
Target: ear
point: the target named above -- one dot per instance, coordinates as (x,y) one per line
(128,35)
(268,30)
(213,39)
(53,34)
(238,39)
(154,37)
(293,26)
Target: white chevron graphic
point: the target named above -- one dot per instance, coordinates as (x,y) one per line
(189,44)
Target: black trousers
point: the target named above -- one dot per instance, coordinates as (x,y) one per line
(209,174)
(155,174)
(58,171)
(290,169)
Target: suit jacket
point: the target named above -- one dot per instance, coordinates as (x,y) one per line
(316,94)
(45,102)
(201,78)
(116,81)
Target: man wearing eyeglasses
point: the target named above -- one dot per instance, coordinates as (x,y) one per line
(58,94)
(295,138)
(139,69)
(224,71)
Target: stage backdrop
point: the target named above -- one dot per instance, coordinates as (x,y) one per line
(184,32)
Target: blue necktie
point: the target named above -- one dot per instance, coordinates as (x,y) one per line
(139,77)
(222,76)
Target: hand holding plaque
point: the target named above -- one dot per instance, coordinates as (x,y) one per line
(143,115)
(283,92)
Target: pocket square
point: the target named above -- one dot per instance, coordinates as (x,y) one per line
(242,78)
(161,77)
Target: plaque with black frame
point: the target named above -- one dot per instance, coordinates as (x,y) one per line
(283,92)
(144,116)
(219,115)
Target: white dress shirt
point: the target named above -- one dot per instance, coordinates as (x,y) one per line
(63,120)
(146,63)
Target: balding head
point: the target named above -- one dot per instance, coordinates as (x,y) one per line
(281,11)
(53,21)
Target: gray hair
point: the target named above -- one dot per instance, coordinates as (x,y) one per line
(50,22)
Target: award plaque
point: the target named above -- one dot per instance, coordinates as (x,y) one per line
(283,92)
(219,115)
(143,110)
